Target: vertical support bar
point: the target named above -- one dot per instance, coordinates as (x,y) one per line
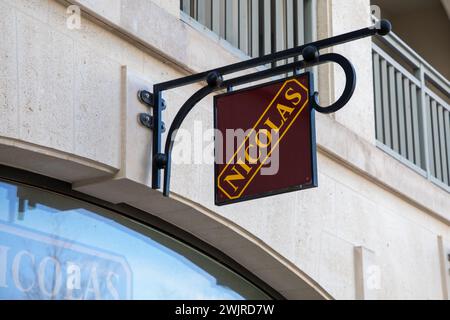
(442,144)
(430,136)
(204,13)
(280,28)
(299,22)
(393,109)
(447,138)
(194,9)
(255,31)
(310,16)
(201,12)
(209,15)
(299,27)
(221,13)
(244,26)
(261,26)
(424,115)
(290,29)
(267,28)
(409,122)
(232,22)
(417,132)
(310,27)
(386,114)
(186,6)
(436,145)
(273,27)
(378,98)
(157,132)
(215,16)
(401,115)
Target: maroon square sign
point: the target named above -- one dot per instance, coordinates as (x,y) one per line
(265,140)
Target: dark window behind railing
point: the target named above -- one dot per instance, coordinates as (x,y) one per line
(412,111)
(256,27)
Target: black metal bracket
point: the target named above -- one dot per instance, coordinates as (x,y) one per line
(148,121)
(146,98)
(215,82)
(154,123)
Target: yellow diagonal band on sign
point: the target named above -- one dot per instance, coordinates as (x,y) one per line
(273,148)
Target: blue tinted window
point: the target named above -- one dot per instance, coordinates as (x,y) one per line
(56,247)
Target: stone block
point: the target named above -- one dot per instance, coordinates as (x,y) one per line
(46,96)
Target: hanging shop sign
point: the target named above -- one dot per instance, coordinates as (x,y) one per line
(277,152)
(269,148)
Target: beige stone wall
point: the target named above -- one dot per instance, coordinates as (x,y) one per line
(68,109)
(341,16)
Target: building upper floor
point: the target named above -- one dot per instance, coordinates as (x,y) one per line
(410,126)
(69,111)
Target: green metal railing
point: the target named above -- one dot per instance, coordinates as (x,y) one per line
(256,27)
(412,112)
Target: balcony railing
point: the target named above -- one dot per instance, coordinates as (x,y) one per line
(412,113)
(256,27)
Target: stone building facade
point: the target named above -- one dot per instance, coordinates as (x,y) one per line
(374,228)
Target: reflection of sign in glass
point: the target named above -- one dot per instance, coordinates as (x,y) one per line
(38,266)
(279,132)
